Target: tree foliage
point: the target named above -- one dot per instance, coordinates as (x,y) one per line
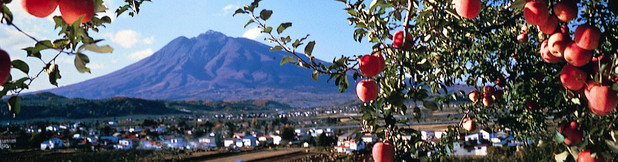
(448,50)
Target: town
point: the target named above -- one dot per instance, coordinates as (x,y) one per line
(329,128)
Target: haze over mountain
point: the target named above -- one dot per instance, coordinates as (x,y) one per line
(212,66)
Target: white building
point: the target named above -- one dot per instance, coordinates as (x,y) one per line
(208,141)
(265,140)
(124,144)
(249,141)
(276,140)
(459,150)
(51,144)
(229,142)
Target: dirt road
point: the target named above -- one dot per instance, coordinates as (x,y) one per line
(256,155)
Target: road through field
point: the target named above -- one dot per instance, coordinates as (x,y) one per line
(256,155)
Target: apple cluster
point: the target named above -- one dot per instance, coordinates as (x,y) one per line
(490,94)
(369,66)
(578,52)
(71,10)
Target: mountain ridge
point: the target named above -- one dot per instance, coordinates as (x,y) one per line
(212,66)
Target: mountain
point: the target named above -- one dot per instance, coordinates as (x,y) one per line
(212,66)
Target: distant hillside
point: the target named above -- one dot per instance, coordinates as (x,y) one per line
(213,66)
(48,105)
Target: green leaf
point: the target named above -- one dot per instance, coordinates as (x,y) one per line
(21,65)
(250,21)
(612,145)
(14,105)
(314,75)
(80,63)
(99,6)
(283,26)
(98,49)
(265,14)
(239,11)
(267,30)
(54,74)
(286,59)
(122,9)
(559,137)
(309,48)
(8,15)
(430,105)
(275,48)
(562,156)
(518,5)
(344,84)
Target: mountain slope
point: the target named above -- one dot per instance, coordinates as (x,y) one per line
(212,66)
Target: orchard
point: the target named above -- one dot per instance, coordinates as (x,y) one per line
(545,69)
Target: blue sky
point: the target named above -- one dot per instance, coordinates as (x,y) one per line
(134,38)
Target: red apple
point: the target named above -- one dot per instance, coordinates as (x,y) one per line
(573,78)
(488,100)
(39,8)
(585,156)
(5,66)
(572,136)
(468,124)
(488,90)
(577,56)
(468,8)
(587,37)
(565,10)
(535,12)
(501,82)
(371,65)
(547,56)
(523,37)
(71,10)
(398,40)
(383,152)
(549,26)
(557,43)
(367,90)
(498,94)
(601,99)
(474,95)
(532,104)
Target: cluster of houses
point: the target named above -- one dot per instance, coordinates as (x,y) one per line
(288,114)
(76,135)
(472,144)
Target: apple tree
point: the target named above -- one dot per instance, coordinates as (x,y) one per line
(545,69)
(78,19)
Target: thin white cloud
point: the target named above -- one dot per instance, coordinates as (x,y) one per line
(66,60)
(227,10)
(95,66)
(148,40)
(252,33)
(125,38)
(140,54)
(13,39)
